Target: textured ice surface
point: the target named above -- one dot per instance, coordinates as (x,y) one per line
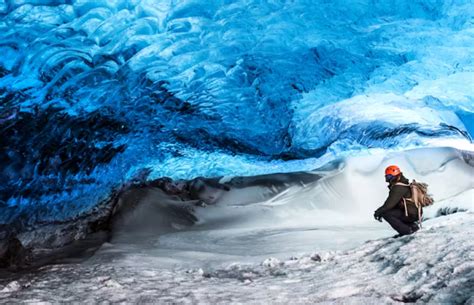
(434,266)
(91,92)
(94,94)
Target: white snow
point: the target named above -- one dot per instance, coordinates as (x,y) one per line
(11,287)
(435,266)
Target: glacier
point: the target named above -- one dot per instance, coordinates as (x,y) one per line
(93,92)
(280,115)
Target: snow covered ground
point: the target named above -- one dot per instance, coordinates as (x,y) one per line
(436,265)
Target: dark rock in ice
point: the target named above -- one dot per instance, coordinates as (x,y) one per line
(316,257)
(12,253)
(448,210)
(411,297)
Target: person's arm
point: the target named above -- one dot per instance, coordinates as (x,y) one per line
(394,196)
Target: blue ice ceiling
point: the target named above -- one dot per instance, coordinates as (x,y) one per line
(93,92)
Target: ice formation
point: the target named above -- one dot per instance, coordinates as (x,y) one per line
(279,115)
(94,91)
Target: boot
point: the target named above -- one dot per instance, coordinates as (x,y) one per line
(414,227)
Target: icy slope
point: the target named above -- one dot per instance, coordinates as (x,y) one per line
(436,265)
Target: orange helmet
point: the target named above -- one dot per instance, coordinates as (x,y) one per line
(393,170)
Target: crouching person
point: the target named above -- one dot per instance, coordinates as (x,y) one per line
(400,215)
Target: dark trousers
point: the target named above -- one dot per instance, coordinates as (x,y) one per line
(399,222)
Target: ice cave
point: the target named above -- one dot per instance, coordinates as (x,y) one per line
(233,151)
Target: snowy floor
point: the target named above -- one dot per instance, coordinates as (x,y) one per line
(436,265)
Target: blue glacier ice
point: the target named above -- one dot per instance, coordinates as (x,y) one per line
(93,93)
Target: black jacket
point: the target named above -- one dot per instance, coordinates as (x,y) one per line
(394,199)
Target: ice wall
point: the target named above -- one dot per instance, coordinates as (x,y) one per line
(92,92)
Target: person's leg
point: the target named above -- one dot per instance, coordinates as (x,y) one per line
(395,218)
(411,221)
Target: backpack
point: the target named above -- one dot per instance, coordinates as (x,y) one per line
(419,197)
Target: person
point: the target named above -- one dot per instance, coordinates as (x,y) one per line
(402,219)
